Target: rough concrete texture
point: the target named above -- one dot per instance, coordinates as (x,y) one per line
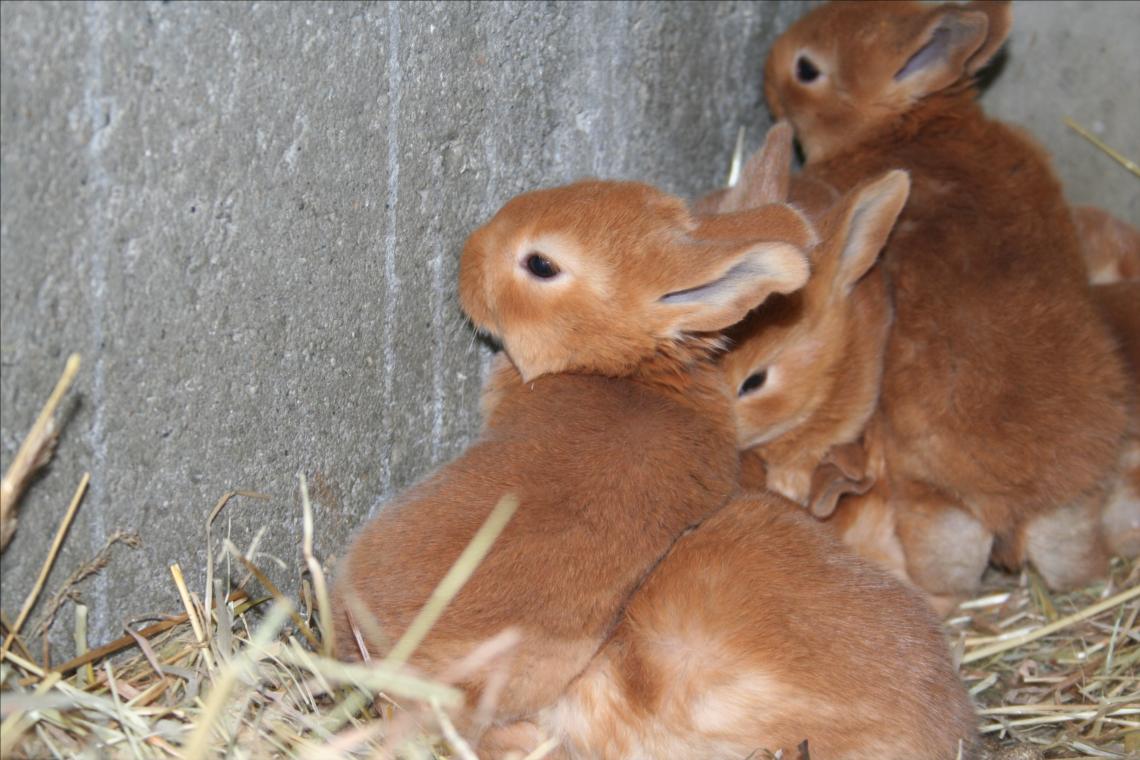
(1081,60)
(247,217)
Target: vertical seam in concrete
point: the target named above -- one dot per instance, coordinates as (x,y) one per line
(438,333)
(495,79)
(96,25)
(391,278)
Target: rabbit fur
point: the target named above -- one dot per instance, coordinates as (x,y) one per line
(1003,397)
(758,630)
(610,423)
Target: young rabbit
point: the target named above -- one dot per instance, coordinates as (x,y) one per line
(612,426)
(807,366)
(759,631)
(841,477)
(1003,398)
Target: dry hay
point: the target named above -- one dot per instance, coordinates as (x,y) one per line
(1055,676)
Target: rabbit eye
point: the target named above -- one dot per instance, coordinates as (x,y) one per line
(540,266)
(753,381)
(806,71)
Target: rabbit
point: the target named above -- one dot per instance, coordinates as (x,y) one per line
(611,424)
(843,478)
(1004,401)
(1119,302)
(805,438)
(731,644)
(760,631)
(807,366)
(1111,247)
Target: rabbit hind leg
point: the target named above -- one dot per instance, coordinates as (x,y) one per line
(947,548)
(1067,545)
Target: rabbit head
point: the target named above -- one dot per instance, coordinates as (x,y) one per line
(600,277)
(845,70)
(789,354)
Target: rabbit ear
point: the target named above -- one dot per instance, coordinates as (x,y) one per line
(733,279)
(999,14)
(767,174)
(868,217)
(953,42)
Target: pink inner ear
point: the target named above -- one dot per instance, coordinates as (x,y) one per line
(933,51)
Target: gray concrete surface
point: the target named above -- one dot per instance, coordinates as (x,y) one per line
(1081,60)
(247,218)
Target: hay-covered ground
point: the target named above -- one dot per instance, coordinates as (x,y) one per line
(1054,676)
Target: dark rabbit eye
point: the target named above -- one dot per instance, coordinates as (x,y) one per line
(754,381)
(540,266)
(806,71)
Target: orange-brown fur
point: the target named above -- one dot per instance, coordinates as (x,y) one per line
(619,439)
(1111,246)
(1120,304)
(709,660)
(757,632)
(838,335)
(821,349)
(822,346)
(1003,397)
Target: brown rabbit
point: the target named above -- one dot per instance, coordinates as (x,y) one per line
(759,631)
(613,428)
(1004,401)
(807,366)
(802,437)
(702,664)
(840,473)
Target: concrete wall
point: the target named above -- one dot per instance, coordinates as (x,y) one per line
(247,218)
(1077,59)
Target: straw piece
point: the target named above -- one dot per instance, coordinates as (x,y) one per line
(148,652)
(271,587)
(199,745)
(461,748)
(1112,153)
(56,543)
(543,749)
(119,709)
(87,675)
(14,726)
(101,560)
(18,642)
(377,678)
(217,508)
(125,641)
(319,586)
(34,453)
(192,614)
(1043,631)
